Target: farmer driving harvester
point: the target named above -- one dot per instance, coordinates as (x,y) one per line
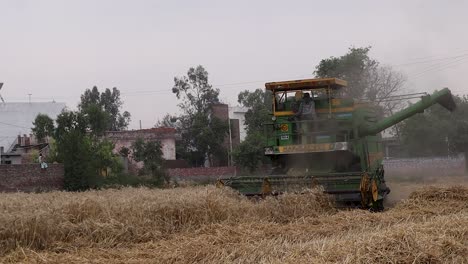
(305,114)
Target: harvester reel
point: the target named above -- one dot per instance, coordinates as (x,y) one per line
(219,183)
(266,187)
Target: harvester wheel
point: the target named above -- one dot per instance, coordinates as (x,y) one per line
(377,206)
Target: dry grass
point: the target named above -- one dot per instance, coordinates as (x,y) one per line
(209,225)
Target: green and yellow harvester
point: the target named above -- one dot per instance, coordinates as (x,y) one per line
(340,149)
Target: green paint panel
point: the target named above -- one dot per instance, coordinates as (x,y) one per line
(302,160)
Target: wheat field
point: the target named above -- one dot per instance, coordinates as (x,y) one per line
(210,225)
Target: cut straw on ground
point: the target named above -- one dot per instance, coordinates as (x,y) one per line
(210,225)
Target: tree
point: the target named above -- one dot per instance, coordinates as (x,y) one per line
(103,110)
(367,80)
(43,127)
(111,103)
(437,132)
(167,121)
(259,104)
(52,153)
(250,153)
(150,153)
(98,120)
(78,141)
(74,150)
(195,92)
(85,156)
(90,97)
(69,121)
(105,162)
(202,133)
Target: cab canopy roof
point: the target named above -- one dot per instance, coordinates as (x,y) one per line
(334,83)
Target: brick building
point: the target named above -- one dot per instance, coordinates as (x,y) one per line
(125,139)
(237,129)
(23,150)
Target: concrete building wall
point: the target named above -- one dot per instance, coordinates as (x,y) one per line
(126,138)
(220,111)
(168,146)
(15,159)
(238,112)
(235,132)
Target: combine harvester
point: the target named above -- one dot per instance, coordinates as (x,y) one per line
(340,149)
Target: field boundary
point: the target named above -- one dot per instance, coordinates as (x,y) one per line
(30,178)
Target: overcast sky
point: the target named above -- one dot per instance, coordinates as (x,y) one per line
(57,49)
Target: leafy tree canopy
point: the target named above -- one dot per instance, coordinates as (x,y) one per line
(43,127)
(150,153)
(77,142)
(103,110)
(250,153)
(259,104)
(367,79)
(202,133)
(195,91)
(437,132)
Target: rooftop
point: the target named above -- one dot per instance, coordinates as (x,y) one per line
(333,83)
(151,133)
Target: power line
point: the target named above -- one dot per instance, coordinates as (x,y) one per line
(434,60)
(438,67)
(164,91)
(13,125)
(251,82)
(5,138)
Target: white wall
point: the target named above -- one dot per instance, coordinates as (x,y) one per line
(238,112)
(17,118)
(168,148)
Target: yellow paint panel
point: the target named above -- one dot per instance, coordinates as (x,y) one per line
(335,110)
(336,102)
(306,148)
(320,111)
(284,113)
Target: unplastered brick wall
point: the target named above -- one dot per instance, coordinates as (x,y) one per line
(202,174)
(30,178)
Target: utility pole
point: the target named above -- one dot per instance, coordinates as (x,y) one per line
(140,124)
(29,97)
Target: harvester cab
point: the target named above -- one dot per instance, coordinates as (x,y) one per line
(337,145)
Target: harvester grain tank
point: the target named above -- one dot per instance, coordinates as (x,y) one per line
(340,149)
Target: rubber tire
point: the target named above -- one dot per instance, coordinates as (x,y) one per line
(377,206)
